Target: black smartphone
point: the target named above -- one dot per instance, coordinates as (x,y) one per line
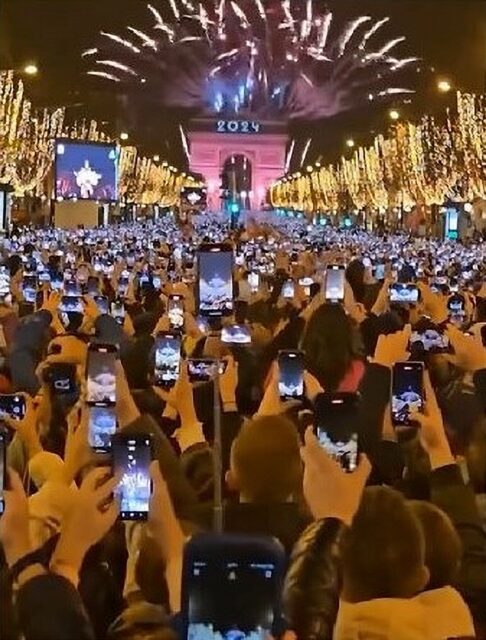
(102,303)
(101,374)
(167,359)
(403,293)
(291,374)
(101,426)
(288,290)
(118,311)
(61,378)
(12,406)
(215,279)
(236,334)
(231,587)
(71,304)
(175,311)
(335,426)
(132,455)
(93,286)
(407,393)
(335,278)
(71,287)
(430,339)
(3,469)
(204,369)
(29,288)
(456,304)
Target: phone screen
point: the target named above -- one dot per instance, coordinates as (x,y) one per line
(71,304)
(254,281)
(118,311)
(101,427)
(404,293)
(204,369)
(335,283)
(3,470)
(131,460)
(71,288)
(407,391)
(167,359)
(175,311)
(430,340)
(236,334)
(101,383)
(291,374)
(4,281)
(215,280)
(29,289)
(12,406)
(231,593)
(288,289)
(335,427)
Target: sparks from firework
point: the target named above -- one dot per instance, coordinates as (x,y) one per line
(252,56)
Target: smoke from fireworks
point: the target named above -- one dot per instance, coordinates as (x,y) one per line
(257,57)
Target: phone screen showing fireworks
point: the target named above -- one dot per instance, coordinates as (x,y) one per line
(175,311)
(102,304)
(3,470)
(231,588)
(335,283)
(215,281)
(132,456)
(291,375)
(101,427)
(118,311)
(236,334)
(12,406)
(407,392)
(403,293)
(335,420)
(167,359)
(101,382)
(29,288)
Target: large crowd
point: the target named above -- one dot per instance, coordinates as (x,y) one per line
(208,432)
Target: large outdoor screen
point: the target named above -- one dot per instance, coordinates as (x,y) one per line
(86,171)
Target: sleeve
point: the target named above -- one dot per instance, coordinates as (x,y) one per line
(311,589)
(49,607)
(375,396)
(449,493)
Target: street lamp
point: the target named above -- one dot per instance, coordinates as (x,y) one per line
(444,86)
(350,143)
(31,69)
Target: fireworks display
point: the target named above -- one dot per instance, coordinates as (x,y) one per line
(269,58)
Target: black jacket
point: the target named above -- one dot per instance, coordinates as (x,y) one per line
(311,590)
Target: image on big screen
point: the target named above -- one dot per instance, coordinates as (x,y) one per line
(102,426)
(334,284)
(167,360)
(231,600)
(101,384)
(406,393)
(215,281)
(290,382)
(338,437)
(131,461)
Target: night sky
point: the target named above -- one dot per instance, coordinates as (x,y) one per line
(449,35)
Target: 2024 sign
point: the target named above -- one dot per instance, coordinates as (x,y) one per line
(238,126)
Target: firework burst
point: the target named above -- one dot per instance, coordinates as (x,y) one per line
(266,58)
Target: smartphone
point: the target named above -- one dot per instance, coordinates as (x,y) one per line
(101,374)
(56,281)
(407,394)
(404,293)
(132,455)
(4,282)
(291,374)
(236,334)
(12,406)
(101,426)
(123,283)
(71,304)
(429,340)
(175,311)
(254,281)
(335,420)
(335,276)
(231,587)
(167,359)
(61,378)
(288,290)
(3,470)
(118,311)
(215,279)
(93,286)
(456,303)
(29,288)
(203,325)
(71,287)
(379,272)
(102,304)
(204,369)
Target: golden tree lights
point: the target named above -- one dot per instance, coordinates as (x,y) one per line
(417,164)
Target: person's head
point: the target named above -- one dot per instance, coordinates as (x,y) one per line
(383,552)
(442,544)
(328,345)
(355,273)
(265,460)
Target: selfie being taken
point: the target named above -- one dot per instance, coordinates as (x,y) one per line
(243,320)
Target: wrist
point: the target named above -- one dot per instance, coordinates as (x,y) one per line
(441,457)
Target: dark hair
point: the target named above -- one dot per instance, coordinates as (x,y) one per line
(383,552)
(355,273)
(328,345)
(443,548)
